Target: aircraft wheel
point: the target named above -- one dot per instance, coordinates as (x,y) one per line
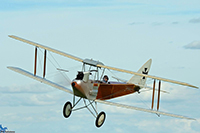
(100,119)
(67,109)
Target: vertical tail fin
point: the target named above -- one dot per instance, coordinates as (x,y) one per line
(139,80)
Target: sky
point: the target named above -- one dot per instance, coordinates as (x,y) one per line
(123,34)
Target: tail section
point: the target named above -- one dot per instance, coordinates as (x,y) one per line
(139,80)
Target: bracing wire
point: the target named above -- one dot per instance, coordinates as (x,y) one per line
(139,97)
(143,101)
(65,76)
(112,73)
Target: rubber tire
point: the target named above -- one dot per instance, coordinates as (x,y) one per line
(100,119)
(67,109)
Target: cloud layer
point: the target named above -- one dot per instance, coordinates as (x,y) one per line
(195,20)
(30,95)
(193,45)
(75,28)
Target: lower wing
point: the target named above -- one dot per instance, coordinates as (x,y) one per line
(45,81)
(144,110)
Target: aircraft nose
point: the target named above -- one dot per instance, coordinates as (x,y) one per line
(77,89)
(73,84)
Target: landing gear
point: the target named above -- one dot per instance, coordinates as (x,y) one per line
(100,119)
(67,109)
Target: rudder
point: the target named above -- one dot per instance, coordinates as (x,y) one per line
(139,80)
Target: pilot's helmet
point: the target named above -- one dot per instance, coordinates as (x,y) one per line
(105,77)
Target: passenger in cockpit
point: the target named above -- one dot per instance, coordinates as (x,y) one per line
(105,79)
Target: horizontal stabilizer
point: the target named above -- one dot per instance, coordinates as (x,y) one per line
(144,110)
(150,88)
(43,80)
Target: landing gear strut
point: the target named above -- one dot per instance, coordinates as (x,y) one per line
(100,117)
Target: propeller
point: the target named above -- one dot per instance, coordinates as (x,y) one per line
(62,78)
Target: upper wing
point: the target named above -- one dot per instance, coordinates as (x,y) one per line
(98,64)
(43,80)
(144,110)
(47,48)
(148,76)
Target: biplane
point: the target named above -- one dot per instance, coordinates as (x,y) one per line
(96,90)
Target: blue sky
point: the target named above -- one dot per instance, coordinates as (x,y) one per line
(123,34)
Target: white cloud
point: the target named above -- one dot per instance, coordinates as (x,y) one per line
(136,23)
(157,23)
(31,95)
(29,88)
(195,20)
(176,22)
(27,117)
(27,100)
(167,125)
(193,45)
(120,120)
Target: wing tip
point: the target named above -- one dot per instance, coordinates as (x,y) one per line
(9,67)
(194,86)
(10,36)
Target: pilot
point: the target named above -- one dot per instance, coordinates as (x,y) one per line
(105,79)
(79,76)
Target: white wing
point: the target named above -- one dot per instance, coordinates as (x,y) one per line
(43,80)
(47,48)
(97,63)
(148,76)
(144,110)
